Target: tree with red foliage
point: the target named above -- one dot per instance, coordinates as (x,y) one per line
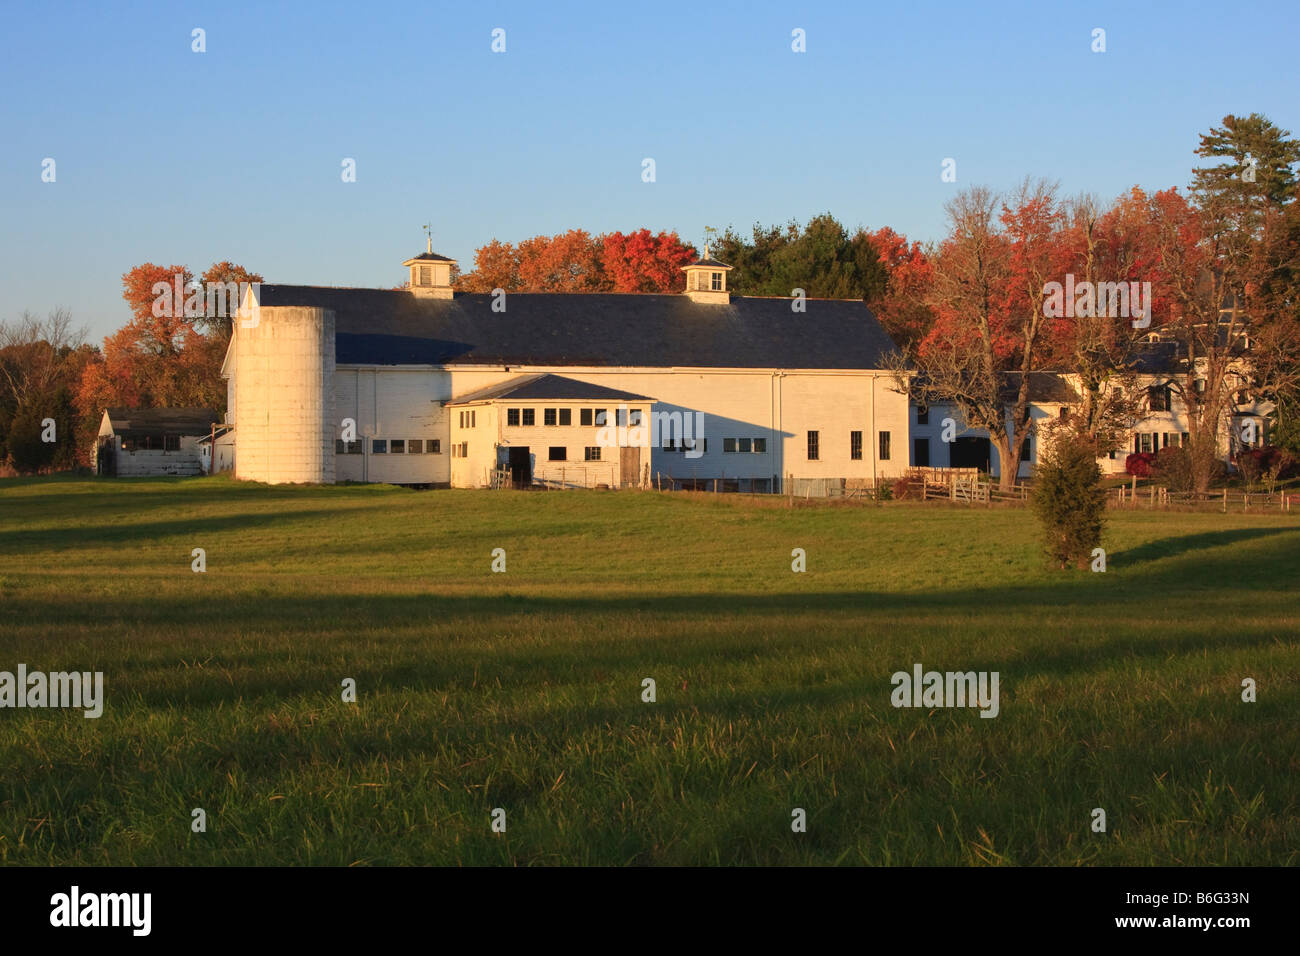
(903,307)
(644,262)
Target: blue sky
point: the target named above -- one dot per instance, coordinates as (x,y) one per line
(167,155)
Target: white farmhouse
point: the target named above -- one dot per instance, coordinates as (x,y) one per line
(427,386)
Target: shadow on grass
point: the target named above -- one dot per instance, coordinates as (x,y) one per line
(128,531)
(1183,544)
(435,642)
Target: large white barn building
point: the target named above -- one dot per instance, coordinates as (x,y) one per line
(427,386)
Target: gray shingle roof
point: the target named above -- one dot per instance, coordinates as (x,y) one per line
(710,261)
(139,422)
(547,387)
(383,327)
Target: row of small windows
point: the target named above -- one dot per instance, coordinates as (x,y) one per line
(391,446)
(855,446)
(468,419)
(589,417)
(1150,441)
(742,446)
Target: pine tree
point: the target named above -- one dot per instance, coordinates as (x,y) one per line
(1069,500)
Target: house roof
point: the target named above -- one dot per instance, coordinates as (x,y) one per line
(393,327)
(139,422)
(546,387)
(1046,387)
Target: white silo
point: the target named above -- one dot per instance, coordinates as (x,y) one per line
(284,395)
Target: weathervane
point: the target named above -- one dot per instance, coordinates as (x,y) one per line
(709,232)
(428,236)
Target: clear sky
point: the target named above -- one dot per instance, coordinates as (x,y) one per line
(167,155)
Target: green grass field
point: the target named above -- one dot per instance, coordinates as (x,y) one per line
(522,690)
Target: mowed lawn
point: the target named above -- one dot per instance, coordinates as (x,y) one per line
(523,690)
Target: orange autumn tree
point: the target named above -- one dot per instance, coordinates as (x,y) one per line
(161,357)
(576,261)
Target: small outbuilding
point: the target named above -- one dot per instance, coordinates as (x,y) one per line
(153,441)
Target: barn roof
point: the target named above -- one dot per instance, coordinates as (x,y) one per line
(393,327)
(139,422)
(547,387)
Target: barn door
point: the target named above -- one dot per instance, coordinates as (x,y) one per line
(629,466)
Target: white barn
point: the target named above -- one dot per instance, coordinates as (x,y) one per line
(426,386)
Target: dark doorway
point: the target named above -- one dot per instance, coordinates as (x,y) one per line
(521,467)
(970,453)
(921,452)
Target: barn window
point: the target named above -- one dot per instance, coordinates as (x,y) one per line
(566,416)
(855,446)
(728,445)
(172,443)
(744,445)
(884,446)
(342,447)
(601,416)
(558,453)
(634,417)
(593,453)
(473,419)
(415,446)
(512,416)
(812,446)
(549,416)
(715,279)
(1027,452)
(379,446)
(584,416)
(923,416)
(760,446)
(397,446)
(435,446)
(530,416)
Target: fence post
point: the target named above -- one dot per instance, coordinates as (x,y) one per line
(1225,499)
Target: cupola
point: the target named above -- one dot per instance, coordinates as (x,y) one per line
(706,280)
(430,273)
